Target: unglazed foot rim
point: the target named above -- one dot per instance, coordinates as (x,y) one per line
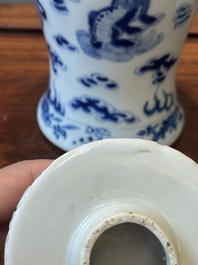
(130,217)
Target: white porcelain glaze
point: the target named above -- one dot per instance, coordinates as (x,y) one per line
(113,69)
(100,185)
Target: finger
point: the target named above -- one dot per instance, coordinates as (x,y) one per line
(14,180)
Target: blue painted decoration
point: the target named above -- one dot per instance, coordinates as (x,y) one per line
(47,117)
(102,110)
(98,133)
(93,134)
(182,14)
(65,44)
(56,61)
(160,104)
(98,80)
(159,66)
(55,102)
(52,118)
(54,114)
(60,6)
(121,31)
(159,130)
(41,10)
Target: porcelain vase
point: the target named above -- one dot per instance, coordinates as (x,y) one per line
(113,69)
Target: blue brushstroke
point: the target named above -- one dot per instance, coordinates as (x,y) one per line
(65,44)
(60,6)
(55,102)
(160,104)
(98,80)
(41,10)
(54,120)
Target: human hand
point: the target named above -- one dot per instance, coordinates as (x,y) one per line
(14,180)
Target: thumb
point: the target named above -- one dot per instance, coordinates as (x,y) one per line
(14,180)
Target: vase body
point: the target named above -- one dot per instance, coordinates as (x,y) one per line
(113,69)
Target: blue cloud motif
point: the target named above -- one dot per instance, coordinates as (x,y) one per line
(98,80)
(102,110)
(159,66)
(120,31)
(60,6)
(65,44)
(182,14)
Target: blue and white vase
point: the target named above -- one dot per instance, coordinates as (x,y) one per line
(112,69)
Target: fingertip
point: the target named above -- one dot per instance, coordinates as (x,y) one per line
(14,180)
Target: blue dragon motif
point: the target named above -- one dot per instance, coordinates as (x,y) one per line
(159,66)
(162,100)
(120,31)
